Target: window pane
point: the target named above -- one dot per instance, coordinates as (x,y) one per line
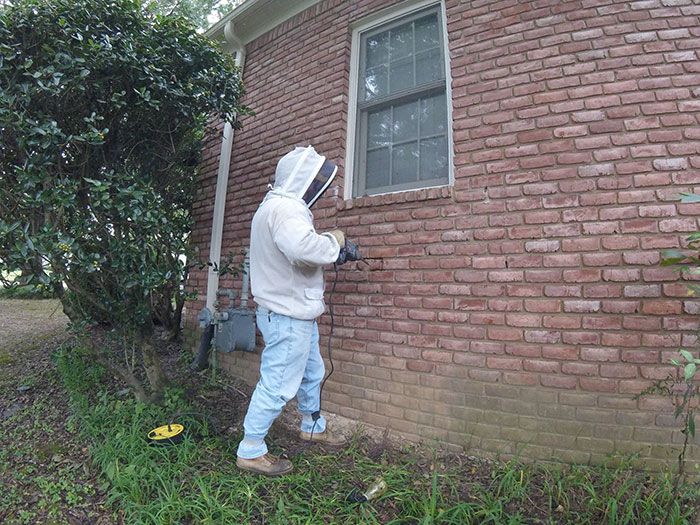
(433,115)
(377,50)
(401,41)
(377,168)
(428,67)
(433,158)
(404,163)
(403,141)
(401,75)
(405,122)
(427,34)
(378,128)
(376,82)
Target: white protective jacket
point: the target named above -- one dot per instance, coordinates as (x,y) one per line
(286,254)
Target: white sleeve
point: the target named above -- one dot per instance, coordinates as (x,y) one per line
(295,236)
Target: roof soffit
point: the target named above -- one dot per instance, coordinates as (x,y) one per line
(254,18)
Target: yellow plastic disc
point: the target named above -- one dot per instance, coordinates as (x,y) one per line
(166,432)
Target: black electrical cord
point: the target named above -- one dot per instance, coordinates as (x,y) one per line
(317,415)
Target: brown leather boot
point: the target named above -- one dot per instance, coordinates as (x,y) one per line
(267,465)
(325,438)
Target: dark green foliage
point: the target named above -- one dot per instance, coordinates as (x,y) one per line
(102,112)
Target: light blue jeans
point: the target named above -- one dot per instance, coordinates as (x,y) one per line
(290,365)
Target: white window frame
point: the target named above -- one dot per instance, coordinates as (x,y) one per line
(372,22)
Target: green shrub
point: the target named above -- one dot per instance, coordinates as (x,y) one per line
(103,107)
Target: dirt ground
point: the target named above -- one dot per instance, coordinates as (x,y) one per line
(39,456)
(25,322)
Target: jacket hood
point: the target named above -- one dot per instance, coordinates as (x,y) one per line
(303,174)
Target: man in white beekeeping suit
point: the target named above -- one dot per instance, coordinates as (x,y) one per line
(286,274)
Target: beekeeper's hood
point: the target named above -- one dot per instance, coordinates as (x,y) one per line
(303,174)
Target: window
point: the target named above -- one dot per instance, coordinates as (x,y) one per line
(401,114)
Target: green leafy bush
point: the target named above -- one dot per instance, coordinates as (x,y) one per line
(102,111)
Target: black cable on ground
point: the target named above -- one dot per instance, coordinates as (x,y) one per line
(316,415)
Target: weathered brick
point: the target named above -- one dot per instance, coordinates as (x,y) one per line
(543,246)
(554,381)
(592,291)
(581,306)
(661,307)
(580,245)
(542,336)
(600,354)
(597,385)
(579,338)
(621,275)
(580,369)
(581,276)
(621,339)
(561,322)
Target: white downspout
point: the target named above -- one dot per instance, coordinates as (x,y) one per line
(222,180)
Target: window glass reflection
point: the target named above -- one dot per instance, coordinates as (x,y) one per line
(376,82)
(401,41)
(405,122)
(427,35)
(428,66)
(404,133)
(404,163)
(433,115)
(379,128)
(378,168)
(433,158)
(377,50)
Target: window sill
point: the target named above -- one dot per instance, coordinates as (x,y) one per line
(423,194)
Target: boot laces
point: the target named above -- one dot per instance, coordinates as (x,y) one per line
(272,459)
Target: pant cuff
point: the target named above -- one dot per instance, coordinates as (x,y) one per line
(318,429)
(248,452)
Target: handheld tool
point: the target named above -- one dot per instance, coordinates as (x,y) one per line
(349,252)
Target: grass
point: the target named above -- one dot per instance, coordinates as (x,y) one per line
(37,478)
(197,481)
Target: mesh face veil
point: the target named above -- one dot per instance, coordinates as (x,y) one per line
(320,182)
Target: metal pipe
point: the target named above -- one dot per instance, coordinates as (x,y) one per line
(238,49)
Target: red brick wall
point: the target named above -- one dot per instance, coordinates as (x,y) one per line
(525,305)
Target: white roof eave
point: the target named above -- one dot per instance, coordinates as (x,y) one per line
(253,18)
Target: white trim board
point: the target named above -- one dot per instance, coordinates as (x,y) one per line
(254,18)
